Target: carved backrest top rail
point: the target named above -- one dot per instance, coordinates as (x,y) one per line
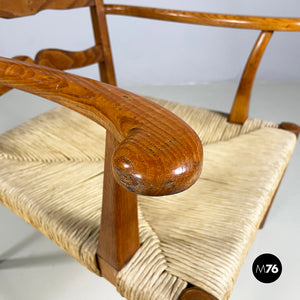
(19,8)
(63,59)
(124,168)
(66,60)
(102,53)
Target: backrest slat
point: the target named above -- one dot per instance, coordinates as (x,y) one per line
(19,8)
(62,59)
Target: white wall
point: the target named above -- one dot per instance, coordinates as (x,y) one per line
(155,52)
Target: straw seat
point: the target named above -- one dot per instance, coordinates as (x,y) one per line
(51,173)
(161,208)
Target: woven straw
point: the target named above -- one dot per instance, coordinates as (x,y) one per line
(51,175)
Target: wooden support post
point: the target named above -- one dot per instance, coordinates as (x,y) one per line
(119,234)
(102,38)
(240,108)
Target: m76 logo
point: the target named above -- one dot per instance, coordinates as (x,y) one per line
(267,268)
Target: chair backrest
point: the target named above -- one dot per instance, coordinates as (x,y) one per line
(119,248)
(21,8)
(62,59)
(101,52)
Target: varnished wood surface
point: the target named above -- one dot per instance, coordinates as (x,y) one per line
(19,8)
(64,60)
(240,108)
(106,67)
(267,25)
(211,19)
(119,233)
(194,293)
(4,89)
(107,271)
(290,127)
(158,153)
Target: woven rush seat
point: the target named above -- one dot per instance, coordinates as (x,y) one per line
(51,175)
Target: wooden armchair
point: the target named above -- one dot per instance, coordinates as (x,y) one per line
(190,245)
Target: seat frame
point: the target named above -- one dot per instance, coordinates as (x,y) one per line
(119,236)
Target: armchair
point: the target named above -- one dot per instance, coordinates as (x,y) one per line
(52,166)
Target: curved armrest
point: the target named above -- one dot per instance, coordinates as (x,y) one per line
(158,153)
(267,25)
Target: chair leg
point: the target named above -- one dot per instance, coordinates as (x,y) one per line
(194,293)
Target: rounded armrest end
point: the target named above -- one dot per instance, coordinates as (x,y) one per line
(156,169)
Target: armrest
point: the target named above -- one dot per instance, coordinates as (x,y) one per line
(267,25)
(158,153)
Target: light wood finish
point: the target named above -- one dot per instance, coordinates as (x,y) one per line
(107,271)
(119,233)
(143,154)
(24,58)
(267,25)
(64,60)
(4,89)
(152,157)
(158,154)
(240,109)
(211,19)
(194,293)
(106,67)
(20,8)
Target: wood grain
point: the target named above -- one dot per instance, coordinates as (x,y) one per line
(240,108)
(106,67)
(267,25)
(211,19)
(119,233)
(64,60)
(4,89)
(20,8)
(158,154)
